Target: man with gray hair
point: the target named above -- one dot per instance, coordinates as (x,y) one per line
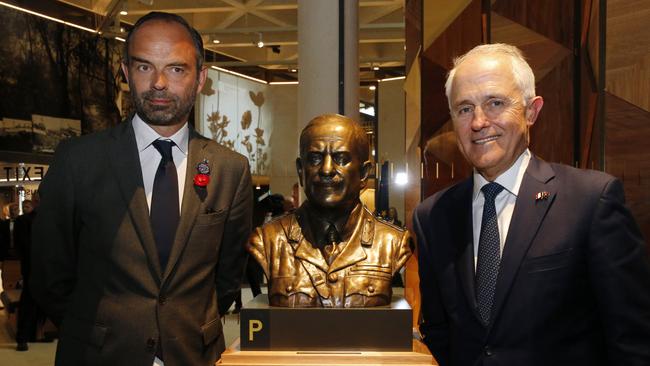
(526,262)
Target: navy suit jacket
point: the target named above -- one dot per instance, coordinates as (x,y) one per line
(573,285)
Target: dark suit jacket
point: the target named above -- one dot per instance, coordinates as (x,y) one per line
(574,281)
(95,264)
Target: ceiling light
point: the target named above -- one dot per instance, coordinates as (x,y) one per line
(376,68)
(47,17)
(372,87)
(125,9)
(294,70)
(260,42)
(239,74)
(216,41)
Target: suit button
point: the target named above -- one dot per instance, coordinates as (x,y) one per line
(289,288)
(371,289)
(151,344)
(332,277)
(487,351)
(162,299)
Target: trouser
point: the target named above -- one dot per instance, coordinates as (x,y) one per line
(30,316)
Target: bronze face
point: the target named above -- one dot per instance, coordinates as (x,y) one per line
(333,167)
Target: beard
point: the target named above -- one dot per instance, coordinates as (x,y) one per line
(163,115)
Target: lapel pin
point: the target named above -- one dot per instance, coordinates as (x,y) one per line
(541,195)
(202,177)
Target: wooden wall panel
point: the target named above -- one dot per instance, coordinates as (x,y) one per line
(627,128)
(463,34)
(554,19)
(551,137)
(412,30)
(628,51)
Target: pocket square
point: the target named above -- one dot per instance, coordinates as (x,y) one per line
(541,195)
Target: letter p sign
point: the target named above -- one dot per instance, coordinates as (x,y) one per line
(254,326)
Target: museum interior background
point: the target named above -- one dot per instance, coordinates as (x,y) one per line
(60,78)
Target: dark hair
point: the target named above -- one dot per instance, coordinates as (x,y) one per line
(358,133)
(172,18)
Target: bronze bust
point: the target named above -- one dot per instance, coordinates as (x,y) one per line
(332,251)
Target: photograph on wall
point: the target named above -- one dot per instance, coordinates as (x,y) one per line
(49,131)
(50,69)
(15,134)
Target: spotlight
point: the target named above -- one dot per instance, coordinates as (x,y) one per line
(125,10)
(260,42)
(294,70)
(216,41)
(372,87)
(401,179)
(376,68)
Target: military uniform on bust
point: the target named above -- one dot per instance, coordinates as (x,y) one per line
(332,252)
(359,275)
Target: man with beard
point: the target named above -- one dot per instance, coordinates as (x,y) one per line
(332,251)
(138,244)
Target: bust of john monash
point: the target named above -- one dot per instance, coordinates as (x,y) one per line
(332,251)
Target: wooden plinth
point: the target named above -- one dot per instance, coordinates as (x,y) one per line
(234,357)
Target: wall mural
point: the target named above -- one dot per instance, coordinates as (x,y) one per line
(227,98)
(55,81)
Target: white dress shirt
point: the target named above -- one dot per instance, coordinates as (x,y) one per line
(150,157)
(504,201)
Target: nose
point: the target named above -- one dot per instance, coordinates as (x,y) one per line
(327,168)
(479,119)
(159,81)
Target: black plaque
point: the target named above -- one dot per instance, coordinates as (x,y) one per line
(381,328)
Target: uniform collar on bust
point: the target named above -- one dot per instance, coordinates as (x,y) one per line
(314,227)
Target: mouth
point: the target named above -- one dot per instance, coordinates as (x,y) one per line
(159,101)
(485,140)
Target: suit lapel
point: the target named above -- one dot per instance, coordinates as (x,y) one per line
(462,234)
(526,219)
(192,199)
(126,168)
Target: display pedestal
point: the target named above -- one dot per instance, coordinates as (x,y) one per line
(273,328)
(233,356)
(275,336)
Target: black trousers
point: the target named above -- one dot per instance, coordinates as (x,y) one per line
(30,316)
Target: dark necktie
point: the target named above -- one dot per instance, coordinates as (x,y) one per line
(331,249)
(164,202)
(487,267)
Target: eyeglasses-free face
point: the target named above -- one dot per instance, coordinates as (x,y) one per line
(490,116)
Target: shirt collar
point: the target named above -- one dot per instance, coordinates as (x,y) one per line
(145,135)
(510,179)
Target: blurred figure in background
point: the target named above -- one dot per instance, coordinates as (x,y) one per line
(31,317)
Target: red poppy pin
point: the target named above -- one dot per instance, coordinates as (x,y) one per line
(202,177)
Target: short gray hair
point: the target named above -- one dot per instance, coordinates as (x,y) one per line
(521,71)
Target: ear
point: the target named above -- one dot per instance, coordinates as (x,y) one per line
(125,70)
(299,170)
(366,168)
(533,109)
(203,76)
